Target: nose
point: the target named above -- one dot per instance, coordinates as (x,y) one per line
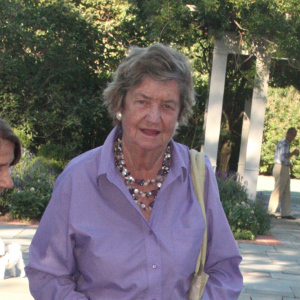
(153,115)
(5,180)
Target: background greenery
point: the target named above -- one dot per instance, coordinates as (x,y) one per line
(34,179)
(247,218)
(282,112)
(56,57)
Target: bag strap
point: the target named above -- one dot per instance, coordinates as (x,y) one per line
(198,177)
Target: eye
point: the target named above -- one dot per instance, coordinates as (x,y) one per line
(140,101)
(168,106)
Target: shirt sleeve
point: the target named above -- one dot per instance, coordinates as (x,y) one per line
(51,270)
(223,257)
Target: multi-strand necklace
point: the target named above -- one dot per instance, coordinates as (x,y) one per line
(129,179)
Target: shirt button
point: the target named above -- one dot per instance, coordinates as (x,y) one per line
(154,266)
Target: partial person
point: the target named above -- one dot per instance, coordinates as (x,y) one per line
(10,154)
(281,196)
(124,221)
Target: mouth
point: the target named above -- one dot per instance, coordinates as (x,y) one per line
(150,132)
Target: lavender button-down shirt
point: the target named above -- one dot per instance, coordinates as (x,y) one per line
(93,242)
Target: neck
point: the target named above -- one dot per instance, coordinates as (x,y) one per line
(143,164)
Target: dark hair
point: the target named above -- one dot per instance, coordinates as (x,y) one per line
(6,133)
(158,62)
(292,130)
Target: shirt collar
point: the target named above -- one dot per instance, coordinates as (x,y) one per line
(107,161)
(180,165)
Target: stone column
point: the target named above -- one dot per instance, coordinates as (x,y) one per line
(256,127)
(215,102)
(244,138)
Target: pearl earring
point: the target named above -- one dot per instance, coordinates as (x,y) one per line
(119,116)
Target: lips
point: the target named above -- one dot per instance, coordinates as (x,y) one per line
(150,131)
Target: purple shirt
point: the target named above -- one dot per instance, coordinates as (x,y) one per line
(93,242)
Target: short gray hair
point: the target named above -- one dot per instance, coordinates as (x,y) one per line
(158,62)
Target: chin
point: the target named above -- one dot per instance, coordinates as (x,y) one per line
(152,146)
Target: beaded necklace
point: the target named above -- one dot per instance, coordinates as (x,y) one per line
(129,179)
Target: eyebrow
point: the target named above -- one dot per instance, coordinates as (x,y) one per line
(143,95)
(147,97)
(170,100)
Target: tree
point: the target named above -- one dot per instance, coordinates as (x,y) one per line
(56,57)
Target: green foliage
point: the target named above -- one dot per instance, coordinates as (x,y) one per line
(282,112)
(192,135)
(59,156)
(271,26)
(246,218)
(56,57)
(244,235)
(33,183)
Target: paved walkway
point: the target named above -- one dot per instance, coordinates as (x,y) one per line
(270,266)
(16,288)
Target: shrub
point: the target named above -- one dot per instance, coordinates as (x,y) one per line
(282,112)
(59,155)
(246,218)
(34,179)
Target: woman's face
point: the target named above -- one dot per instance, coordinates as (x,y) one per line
(150,114)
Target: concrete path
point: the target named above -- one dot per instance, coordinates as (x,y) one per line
(16,288)
(270,266)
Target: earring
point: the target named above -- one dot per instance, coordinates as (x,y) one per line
(119,116)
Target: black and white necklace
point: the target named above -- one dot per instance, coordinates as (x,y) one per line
(129,179)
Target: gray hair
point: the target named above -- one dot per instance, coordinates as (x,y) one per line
(158,62)
(7,134)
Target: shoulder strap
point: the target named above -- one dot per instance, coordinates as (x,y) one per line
(198,177)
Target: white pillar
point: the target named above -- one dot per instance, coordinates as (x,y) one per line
(244,138)
(256,126)
(215,102)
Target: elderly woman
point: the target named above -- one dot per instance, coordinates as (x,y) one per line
(124,221)
(10,154)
